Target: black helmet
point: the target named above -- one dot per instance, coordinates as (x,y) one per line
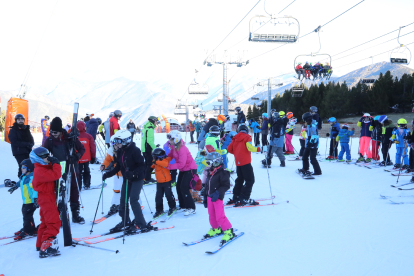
(275,115)
(41,152)
(214,130)
(99,120)
(47,117)
(307,117)
(29,165)
(19,116)
(158,153)
(214,159)
(152,119)
(243,128)
(272,111)
(238,109)
(118,113)
(313,109)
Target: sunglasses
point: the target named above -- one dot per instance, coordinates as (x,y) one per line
(54,132)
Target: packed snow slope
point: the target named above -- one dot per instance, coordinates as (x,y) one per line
(336,224)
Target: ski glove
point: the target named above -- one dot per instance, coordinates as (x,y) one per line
(36,205)
(93,160)
(104,176)
(12,189)
(53,160)
(214,196)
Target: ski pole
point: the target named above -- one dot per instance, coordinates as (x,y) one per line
(99,200)
(125,210)
(268,177)
(326,146)
(75,243)
(147,200)
(77,184)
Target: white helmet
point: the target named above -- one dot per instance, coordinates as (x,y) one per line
(367,115)
(121,137)
(176,135)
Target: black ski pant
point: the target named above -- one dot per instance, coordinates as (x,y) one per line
(185,199)
(164,188)
(173,176)
(85,174)
(257,139)
(333,147)
(311,152)
(132,193)
(103,135)
(302,147)
(148,164)
(28,222)
(192,136)
(244,182)
(384,150)
(19,159)
(264,139)
(411,158)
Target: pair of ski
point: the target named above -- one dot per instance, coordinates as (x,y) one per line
(14,241)
(166,217)
(260,199)
(401,185)
(305,176)
(99,220)
(237,235)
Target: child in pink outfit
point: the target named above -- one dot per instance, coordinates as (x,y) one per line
(217,183)
(289,135)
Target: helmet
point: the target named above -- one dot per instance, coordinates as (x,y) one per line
(382,118)
(99,120)
(214,130)
(377,118)
(307,117)
(214,159)
(366,115)
(118,113)
(275,115)
(313,108)
(299,63)
(289,115)
(111,114)
(122,137)
(402,121)
(332,120)
(176,135)
(158,153)
(29,165)
(345,125)
(281,114)
(238,109)
(265,115)
(310,63)
(47,117)
(243,128)
(41,152)
(227,117)
(19,116)
(232,134)
(153,119)
(272,110)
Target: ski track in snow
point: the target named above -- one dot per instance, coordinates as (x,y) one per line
(336,224)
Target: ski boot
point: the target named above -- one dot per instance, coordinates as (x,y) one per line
(405,167)
(119,227)
(76,218)
(397,166)
(172,211)
(189,212)
(252,202)
(360,159)
(342,160)
(330,157)
(158,214)
(19,232)
(241,202)
(230,202)
(49,248)
(23,235)
(348,161)
(368,160)
(412,179)
(282,163)
(314,173)
(113,210)
(266,163)
(148,228)
(213,232)
(228,235)
(389,163)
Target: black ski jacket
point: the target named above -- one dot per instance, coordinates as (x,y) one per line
(21,139)
(60,147)
(219,181)
(241,118)
(131,159)
(376,134)
(211,122)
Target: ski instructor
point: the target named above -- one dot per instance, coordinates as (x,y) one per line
(21,140)
(147,146)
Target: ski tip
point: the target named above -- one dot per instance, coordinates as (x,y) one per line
(116,252)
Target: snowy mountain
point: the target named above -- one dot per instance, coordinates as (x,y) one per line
(352,78)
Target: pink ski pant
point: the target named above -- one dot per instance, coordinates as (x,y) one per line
(216,215)
(364,146)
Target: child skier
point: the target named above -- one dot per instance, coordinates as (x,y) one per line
(242,148)
(387,129)
(29,200)
(289,133)
(397,137)
(172,167)
(276,141)
(364,143)
(376,137)
(162,174)
(311,146)
(343,138)
(213,140)
(302,137)
(256,131)
(218,182)
(47,171)
(333,146)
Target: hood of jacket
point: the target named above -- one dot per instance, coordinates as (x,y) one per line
(149,124)
(242,137)
(81,126)
(36,159)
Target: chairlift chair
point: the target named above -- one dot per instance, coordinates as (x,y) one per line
(401,54)
(297,91)
(270,29)
(179,111)
(200,89)
(255,98)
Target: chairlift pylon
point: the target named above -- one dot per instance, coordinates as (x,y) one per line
(396,55)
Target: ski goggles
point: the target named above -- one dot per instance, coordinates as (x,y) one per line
(24,167)
(117,141)
(54,132)
(169,136)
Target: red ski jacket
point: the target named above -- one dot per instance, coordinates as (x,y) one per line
(241,148)
(87,142)
(44,178)
(114,125)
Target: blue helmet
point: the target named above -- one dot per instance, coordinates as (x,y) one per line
(265,115)
(382,118)
(377,118)
(332,120)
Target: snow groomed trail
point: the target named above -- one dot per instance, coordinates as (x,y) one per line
(336,224)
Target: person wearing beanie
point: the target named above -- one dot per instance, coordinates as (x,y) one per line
(21,140)
(58,146)
(343,137)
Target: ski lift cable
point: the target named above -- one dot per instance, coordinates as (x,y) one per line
(37,49)
(244,39)
(311,31)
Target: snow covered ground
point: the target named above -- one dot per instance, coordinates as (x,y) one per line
(336,224)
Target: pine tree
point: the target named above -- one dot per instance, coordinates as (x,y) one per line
(249,113)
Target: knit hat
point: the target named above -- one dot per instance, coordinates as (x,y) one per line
(345,125)
(382,118)
(56,124)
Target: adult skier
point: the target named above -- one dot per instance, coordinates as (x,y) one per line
(311,146)
(92,127)
(131,128)
(241,118)
(88,157)
(58,145)
(147,146)
(45,127)
(114,125)
(130,163)
(277,139)
(314,111)
(107,128)
(21,140)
